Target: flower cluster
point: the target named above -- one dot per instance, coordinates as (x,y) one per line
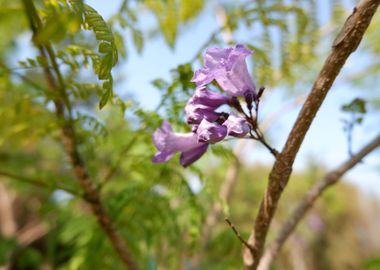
(227,67)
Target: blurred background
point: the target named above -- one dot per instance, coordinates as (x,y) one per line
(171,217)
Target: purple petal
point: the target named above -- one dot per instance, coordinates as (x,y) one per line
(240,52)
(189,157)
(202,77)
(209,98)
(214,57)
(160,134)
(236,126)
(211,132)
(228,68)
(196,112)
(166,126)
(161,157)
(168,142)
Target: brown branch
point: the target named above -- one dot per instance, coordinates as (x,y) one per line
(70,142)
(308,200)
(346,43)
(31,232)
(8,225)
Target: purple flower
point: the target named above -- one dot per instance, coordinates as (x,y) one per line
(209,98)
(202,105)
(208,126)
(196,112)
(228,68)
(211,132)
(236,126)
(168,143)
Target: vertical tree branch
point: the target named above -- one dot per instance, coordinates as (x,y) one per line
(8,225)
(91,194)
(308,200)
(346,43)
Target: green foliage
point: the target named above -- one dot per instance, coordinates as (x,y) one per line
(127,19)
(63,20)
(11,17)
(28,258)
(372,263)
(170,13)
(155,207)
(357,105)
(107,48)
(176,93)
(59,22)
(6,247)
(356,111)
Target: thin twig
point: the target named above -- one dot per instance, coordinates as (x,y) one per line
(63,111)
(121,157)
(43,184)
(308,201)
(238,235)
(347,42)
(31,232)
(23,78)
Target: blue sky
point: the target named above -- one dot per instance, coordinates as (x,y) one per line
(325,141)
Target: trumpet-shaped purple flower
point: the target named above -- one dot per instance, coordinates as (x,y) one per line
(168,143)
(236,126)
(196,112)
(211,132)
(228,68)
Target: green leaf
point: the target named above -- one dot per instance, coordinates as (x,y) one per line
(357,105)
(23,63)
(57,26)
(160,84)
(138,40)
(166,14)
(107,41)
(42,61)
(105,97)
(119,44)
(105,67)
(105,47)
(31,62)
(189,9)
